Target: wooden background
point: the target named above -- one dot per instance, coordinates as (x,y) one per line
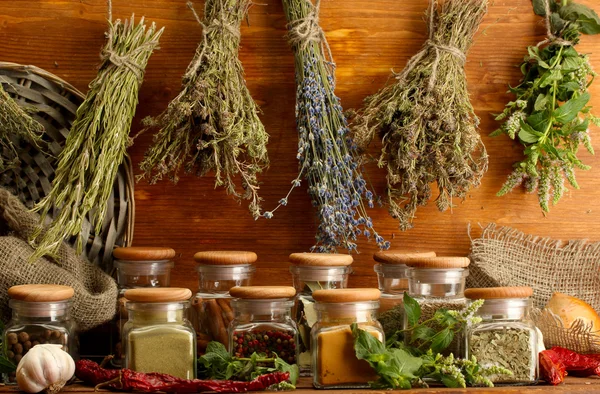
(368,38)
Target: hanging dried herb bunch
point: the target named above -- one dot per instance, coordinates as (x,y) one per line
(213,124)
(425,118)
(99,137)
(325,151)
(16,124)
(550,115)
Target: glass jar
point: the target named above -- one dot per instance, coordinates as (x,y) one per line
(506,336)
(310,272)
(393,282)
(138,267)
(334,360)
(263,323)
(40,314)
(438,282)
(218,271)
(158,337)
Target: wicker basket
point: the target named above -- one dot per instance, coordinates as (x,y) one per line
(56,103)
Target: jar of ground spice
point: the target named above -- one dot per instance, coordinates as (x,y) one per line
(334,360)
(158,337)
(263,322)
(391,276)
(438,282)
(310,272)
(218,271)
(505,337)
(40,314)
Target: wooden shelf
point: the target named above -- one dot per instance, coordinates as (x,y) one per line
(571,385)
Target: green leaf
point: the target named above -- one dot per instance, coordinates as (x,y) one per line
(6,366)
(570,86)
(552,149)
(570,52)
(365,344)
(541,102)
(422,333)
(587,18)
(539,120)
(539,7)
(442,340)
(412,310)
(556,22)
(528,135)
(571,63)
(549,77)
(569,110)
(293,370)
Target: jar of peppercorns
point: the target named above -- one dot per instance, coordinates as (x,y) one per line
(218,271)
(263,322)
(40,314)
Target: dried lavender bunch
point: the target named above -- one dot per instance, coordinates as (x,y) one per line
(16,124)
(98,139)
(325,151)
(425,119)
(213,124)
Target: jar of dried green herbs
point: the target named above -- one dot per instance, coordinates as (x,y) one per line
(263,322)
(391,276)
(310,272)
(435,283)
(218,271)
(158,337)
(505,337)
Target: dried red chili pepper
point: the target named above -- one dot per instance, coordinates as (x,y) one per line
(91,372)
(552,370)
(577,364)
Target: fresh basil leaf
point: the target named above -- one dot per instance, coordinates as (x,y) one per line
(569,110)
(550,77)
(422,333)
(541,102)
(570,86)
(539,7)
(412,310)
(282,366)
(407,364)
(365,344)
(6,366)
(556,22)
(538,120)
(528,135)
(571,63)
(441,340)
(570,52)
(587,18)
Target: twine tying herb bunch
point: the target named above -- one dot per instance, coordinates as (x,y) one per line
(325,151)
(213,124)
(99,137)
(425,119)
(550,115)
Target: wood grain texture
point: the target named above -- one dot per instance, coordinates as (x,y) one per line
(368,38)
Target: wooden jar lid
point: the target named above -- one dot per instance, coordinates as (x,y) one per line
(439,262)
(400,256)
(225,257)
(499,292)
(158,294)
(41,293)
(321,259)
(346,295)
(262,292)
(142,253)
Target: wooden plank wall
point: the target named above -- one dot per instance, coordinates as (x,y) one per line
(368,38)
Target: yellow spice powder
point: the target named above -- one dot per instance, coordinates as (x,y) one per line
(336,361)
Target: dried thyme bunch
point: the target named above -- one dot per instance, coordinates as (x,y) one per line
(98,139)
(425,119)
(213,124)
(325,152)
(550,115)
(15,124)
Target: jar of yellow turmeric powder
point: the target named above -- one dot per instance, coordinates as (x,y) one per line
(334,361)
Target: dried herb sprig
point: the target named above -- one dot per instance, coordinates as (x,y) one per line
(550,115)
(16,124)
(425,118)
(213,124)
(98,139)
(325,151)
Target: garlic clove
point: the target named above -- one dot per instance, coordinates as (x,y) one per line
(45,368)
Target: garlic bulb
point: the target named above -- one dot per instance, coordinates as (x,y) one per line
(45,368)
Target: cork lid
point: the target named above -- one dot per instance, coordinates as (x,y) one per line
(141,253)
(41,293)
(438,262)
(499,292)
(321,259)
(225,257)
(400,256)
(262,292)
(346,295)
(158,294)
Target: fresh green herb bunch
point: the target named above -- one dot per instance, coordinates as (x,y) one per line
(550,115)
(325,151)
(425,119)
(213,124)
(98,140)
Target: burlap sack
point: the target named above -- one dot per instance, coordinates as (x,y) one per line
(95,292)
(503,256)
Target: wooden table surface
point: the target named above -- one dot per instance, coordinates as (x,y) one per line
(571,385)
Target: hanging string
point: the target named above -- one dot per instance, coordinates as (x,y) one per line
(550,37)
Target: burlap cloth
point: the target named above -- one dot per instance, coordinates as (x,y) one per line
(95,292)
(503,256)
